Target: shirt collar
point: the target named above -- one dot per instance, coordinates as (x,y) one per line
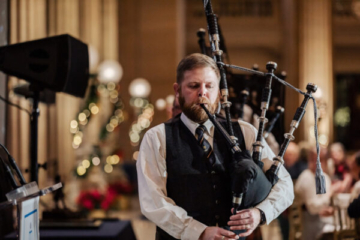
(191,125)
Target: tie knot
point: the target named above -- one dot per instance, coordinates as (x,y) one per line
(200,130)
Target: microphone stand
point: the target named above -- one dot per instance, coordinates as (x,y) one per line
(22,193)
(15,167)
(34,134)
(10,176)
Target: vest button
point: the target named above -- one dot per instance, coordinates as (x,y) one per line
(214,186)
(213,172)
(217,217)
(217,201)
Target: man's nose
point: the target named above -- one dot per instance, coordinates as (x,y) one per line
(202,91)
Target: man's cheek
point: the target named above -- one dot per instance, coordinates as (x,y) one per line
(213,99)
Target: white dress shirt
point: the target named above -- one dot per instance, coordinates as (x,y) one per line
(152,176)
(305,188)
(355,192)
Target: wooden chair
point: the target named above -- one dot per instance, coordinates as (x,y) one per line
(295,220)
(345,227)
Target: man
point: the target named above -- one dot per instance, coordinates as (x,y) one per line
(182,189)
(317,212)
(294,166)
(292,163)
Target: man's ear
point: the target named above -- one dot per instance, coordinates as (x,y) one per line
(176,87)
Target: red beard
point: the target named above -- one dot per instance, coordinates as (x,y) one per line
(194,111)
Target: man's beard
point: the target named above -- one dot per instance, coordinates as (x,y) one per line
(194,111)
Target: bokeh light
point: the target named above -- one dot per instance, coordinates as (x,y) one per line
(81,170)
(96,161)
(170,99)
(108,168)
(73,124)
(135,155)
(85,163)
(160,104)
(110,71)
(140,88)
(82,117)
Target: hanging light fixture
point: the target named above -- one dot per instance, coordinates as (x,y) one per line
(110,71)
(140,88)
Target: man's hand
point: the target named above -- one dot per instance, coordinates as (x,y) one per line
(326,211)
(216,233)
(247,219)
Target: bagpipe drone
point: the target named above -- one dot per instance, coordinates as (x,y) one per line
(250,184)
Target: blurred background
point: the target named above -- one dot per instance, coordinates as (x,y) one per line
(91,144)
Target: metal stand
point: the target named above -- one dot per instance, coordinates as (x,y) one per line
(34,136)
(23,194)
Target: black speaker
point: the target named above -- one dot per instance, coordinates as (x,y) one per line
(59,63)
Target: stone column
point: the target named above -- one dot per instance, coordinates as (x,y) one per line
(315,63)
(290,58)
(67,21)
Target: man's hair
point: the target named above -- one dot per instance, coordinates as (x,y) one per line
(193,61)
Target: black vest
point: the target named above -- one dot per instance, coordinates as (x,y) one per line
(204,193)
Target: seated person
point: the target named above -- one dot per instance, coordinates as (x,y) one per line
(342,179)
(354,207)
(316,206)
(291,161)
(295,167)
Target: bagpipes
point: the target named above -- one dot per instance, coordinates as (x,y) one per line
(278,111)
(250,185)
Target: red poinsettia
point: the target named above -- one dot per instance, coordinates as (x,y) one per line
(109,199)
(93,199)
(90,200)
(120,187)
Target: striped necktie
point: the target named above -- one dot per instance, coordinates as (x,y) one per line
(205,145)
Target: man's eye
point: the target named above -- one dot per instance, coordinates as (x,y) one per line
(210,86)
(193,86)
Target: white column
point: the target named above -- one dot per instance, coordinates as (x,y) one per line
(315,62)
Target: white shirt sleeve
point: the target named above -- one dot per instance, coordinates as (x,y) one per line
(305,188)
(155,205)
(281,195)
